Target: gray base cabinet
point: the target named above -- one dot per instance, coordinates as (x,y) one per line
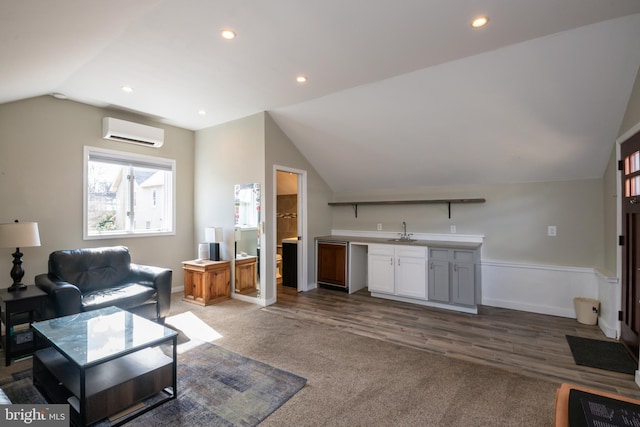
(452,276)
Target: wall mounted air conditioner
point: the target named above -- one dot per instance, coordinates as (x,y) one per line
(133,133)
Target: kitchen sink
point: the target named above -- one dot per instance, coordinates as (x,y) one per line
(403,240)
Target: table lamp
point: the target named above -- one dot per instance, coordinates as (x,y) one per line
(18,235)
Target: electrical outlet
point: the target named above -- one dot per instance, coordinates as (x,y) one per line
(551,231)
(453,229)
(379,227)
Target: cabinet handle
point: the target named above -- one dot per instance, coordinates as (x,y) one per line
(430,266)
(398,261)
(391,261)
(455,267)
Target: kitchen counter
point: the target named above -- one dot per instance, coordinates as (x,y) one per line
(435,272)
(387,241)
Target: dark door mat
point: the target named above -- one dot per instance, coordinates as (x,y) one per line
(609,355)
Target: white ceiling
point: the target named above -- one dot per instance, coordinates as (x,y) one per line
(401,93)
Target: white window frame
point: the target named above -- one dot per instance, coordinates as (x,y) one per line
(125,157)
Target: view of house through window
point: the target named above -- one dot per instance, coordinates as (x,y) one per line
(127,194)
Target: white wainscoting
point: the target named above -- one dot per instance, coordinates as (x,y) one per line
(550,290)
(610,297)
(536,288)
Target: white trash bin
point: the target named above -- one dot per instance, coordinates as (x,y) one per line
(587,310)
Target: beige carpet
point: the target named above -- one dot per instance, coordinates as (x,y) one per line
(359,381)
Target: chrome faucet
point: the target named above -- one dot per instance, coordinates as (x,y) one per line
(404,235)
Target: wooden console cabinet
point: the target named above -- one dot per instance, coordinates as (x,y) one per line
(206,282)
(246,275)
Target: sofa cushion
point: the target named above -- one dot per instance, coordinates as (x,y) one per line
(124,296)
(93,268)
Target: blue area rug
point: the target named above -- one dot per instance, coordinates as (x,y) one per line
(216,387)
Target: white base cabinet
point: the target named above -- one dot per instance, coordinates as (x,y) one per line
(444,277)
(381,269)
(398,270)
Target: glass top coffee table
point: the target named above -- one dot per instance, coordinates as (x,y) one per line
(103,362)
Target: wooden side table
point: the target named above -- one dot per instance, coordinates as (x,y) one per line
(246,274)
(206,282)
(18,308)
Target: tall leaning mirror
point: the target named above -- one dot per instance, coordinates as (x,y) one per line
(247,239)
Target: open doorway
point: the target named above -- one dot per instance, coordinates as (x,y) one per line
(290,231)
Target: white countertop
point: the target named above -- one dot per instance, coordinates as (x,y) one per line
(387,241)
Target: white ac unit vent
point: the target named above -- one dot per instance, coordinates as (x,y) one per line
(133,133)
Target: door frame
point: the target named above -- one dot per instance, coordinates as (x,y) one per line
(620,191)
(303,238)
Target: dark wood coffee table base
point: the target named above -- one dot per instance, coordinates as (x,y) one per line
(110,387)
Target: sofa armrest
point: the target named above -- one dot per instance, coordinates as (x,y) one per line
(160,279)
(64,298)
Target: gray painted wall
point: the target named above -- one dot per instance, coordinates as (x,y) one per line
(514,219)
(41,142)
(41,149)
(281,151)
(245,151)
(225,155)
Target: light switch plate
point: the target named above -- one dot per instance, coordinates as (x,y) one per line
(551,231)
(379,227)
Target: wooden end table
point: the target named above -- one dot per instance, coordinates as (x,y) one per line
(206,282)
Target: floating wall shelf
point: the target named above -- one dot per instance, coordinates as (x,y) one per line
(448,202)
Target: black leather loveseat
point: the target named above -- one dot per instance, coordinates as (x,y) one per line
(87,279)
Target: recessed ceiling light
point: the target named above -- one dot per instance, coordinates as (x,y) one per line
(301,79)
(127,89)
(480,21)
(228,34)
(202,112)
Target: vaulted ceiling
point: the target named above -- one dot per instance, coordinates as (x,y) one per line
(400,93)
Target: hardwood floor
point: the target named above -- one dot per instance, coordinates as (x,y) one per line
(528,343)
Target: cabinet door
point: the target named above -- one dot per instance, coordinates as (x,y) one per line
(463,283)
(246,277)
(189,284)
(439,288)
(218,283)
(332,264)
(381,273)
(411,277)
